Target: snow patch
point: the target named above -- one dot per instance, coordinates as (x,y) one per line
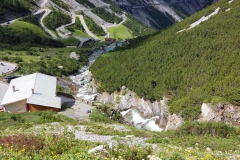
(201,20)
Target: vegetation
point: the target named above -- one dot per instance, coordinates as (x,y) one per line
(113,6)
(50,66)
(121,31)
(31,19)
(214,135)
(86,3)
(47,60)
(161,21)
(15,6)
(61,4)
(106,16)
(71,41)
(103,114)
(56,19)
(80,33)
(47,146)
(137,28)
(78,25)
(13,38)
(187,67)
(93,27)
(27,120)
(23,25)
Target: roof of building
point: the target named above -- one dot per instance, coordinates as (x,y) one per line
(47,101)
(43,86)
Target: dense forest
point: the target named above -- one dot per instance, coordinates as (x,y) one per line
(13,38)
(189,68)
(61,4)
(56,19)
(86,3)
(15,7)
(93,27)
(78,25)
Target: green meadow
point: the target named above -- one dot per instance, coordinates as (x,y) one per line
(21,25)
(122,32)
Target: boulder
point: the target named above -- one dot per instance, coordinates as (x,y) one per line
(75,56)
(174,121)
(221,112)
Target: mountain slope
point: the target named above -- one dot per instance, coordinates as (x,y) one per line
(190,67)
(161,13)
(15,8)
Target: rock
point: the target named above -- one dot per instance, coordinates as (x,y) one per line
(96,149)
(222,112)
(75,56)
(147,108)
(174,121)
(124,88)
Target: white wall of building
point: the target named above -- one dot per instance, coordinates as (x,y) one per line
(18,107)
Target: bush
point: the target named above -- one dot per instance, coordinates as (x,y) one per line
(49,116)
(17,117)
(106,114)
(130,152)
(215,129)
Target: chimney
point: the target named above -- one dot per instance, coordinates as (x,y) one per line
(32,91)
(13,87)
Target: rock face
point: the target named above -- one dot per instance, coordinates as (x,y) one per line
(174,122)
(128,99)
(222,112)
(167,11)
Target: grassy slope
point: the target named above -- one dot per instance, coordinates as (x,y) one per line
(188,67)
(122,32)
(53,52)
(80,33)
(20,25)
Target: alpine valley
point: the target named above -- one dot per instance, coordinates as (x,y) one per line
(135,79)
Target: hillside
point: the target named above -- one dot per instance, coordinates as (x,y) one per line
(143,17)
(197,65)
(15,8)
(161,13)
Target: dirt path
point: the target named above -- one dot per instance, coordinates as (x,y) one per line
(77,110)
(47,12)
(86,28)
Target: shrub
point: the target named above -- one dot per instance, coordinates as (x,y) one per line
(129,152)
(106,114)
(49,116)
(214,129)
(22,142)
(17,117)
